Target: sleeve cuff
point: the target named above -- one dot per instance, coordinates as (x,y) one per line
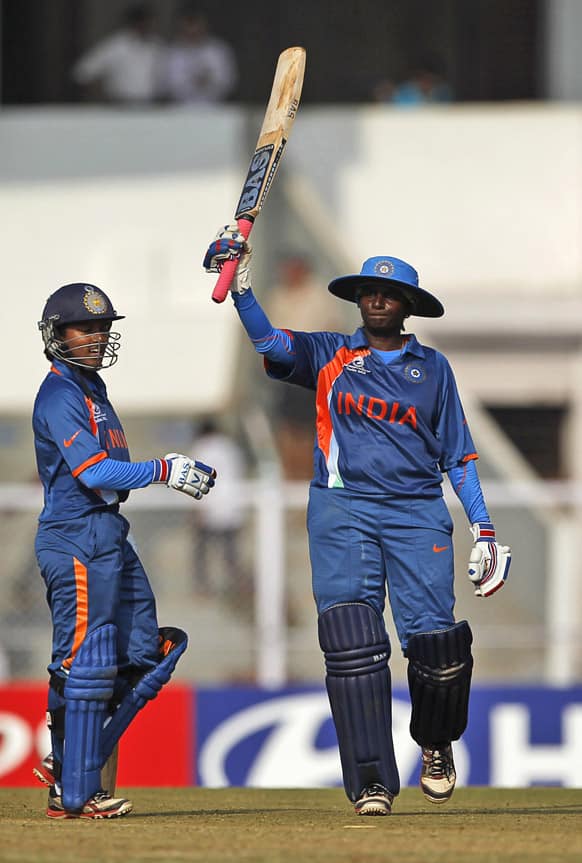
(161,470)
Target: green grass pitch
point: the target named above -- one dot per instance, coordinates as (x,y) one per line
(481,825)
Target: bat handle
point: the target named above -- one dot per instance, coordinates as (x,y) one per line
(229,268)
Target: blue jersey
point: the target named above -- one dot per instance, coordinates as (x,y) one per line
(75,426)
(381,429)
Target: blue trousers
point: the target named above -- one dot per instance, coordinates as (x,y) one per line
(93,576)
(362,546)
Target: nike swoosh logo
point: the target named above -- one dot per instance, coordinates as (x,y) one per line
(68,442)
(436,548)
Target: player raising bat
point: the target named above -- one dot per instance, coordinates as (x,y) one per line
(389,424)
(108,655)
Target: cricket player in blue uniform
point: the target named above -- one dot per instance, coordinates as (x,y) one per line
(108,655)
(389,423)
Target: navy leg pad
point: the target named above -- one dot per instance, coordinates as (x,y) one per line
(88,688)
(356,649)
(439,678)
(173,643)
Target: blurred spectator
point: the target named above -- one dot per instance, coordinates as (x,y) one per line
(219,521)
(298,301)
(383,90)
(427,84)
(125,67)
(199,66)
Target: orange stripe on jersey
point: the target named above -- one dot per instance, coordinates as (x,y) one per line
(82,610)
(117,438)
(91,407)
(93,460)
(325,381)
(471,457)
(55,371)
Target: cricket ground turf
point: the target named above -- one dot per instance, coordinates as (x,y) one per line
(481,825)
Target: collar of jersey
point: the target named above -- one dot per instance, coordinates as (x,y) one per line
(95,383)
(412,346)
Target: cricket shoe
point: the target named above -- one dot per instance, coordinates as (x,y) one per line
(45,770)
(374,800)
(100,806)
(437,775)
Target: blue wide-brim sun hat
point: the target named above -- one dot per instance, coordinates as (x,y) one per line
(385,269)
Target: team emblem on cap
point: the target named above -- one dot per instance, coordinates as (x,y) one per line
(94,302)
(384,268)
(415,374)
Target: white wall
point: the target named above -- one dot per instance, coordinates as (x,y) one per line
(477,198)
(485,201)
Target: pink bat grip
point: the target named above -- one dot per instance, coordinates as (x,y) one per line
(229,268)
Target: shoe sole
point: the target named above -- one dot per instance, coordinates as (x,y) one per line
(434,797)
(374,807)
(58,816)
(90,816)
(374,810)
(100,816)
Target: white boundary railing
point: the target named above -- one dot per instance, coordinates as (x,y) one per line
(270,499)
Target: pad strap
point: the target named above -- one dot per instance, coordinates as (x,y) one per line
(356,649)
(439,678)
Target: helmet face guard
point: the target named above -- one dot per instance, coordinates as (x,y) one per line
(60,349)
(80,303)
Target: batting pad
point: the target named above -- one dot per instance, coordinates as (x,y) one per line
(173,643)
(439,678)
(356,649)
(87,692)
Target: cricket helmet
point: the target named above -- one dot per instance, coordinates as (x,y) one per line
(384,269)
(74,304)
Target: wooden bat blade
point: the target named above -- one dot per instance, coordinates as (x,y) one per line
(278,120)
(285,93)
(109,772)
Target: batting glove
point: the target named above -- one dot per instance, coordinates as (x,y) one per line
(228,245)
(489,562)
(184,474)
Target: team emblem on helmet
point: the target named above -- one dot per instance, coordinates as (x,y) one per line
(384,268)
(414,373)
(94,302)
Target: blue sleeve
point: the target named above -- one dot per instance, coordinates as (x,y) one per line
(465,482)
(451,427)
(289,356)
(276,345)
(119,475)
(67,417)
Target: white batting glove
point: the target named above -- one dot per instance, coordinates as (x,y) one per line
(191,477)
(242,282)
(489,562)
(228,245)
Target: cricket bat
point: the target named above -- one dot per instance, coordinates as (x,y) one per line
(277,123)
(109,772)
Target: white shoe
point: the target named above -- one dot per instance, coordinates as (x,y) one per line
(374,800)
(101,805)
(45,770)
(437,776)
